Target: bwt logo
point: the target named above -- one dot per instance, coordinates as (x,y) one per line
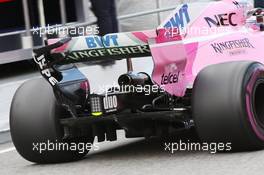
(97,41)
(179,18)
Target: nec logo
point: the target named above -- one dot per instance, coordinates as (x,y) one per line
(179,18)
(97,41)
(221,20)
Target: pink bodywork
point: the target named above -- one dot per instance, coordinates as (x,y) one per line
(195,51)
(179,56)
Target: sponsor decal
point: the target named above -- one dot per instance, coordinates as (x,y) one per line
(237,4)
(170,78)
(221,20)
(231,45)
(237,52)
(180,18)
(97,41)
(42,64)
(110,103)
(109,52)
(240,5)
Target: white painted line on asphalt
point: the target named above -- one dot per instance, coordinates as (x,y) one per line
(7,150)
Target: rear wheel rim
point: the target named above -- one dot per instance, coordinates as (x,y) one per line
(258,102)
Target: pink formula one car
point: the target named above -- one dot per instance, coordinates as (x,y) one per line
(208,74)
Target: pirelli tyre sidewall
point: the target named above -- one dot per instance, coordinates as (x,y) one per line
(34,119)
(228,105)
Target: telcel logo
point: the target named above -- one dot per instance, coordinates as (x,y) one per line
(178,20)
(105,41)
(170,78)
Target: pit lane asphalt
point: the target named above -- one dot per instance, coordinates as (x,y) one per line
(125,156)
(137,156)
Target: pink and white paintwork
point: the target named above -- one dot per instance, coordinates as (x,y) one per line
(221,35)
(195,51)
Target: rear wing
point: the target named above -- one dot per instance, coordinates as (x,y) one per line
(90,49)
(164,45)
(95,48)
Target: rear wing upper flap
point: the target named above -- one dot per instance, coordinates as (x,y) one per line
(95,48)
